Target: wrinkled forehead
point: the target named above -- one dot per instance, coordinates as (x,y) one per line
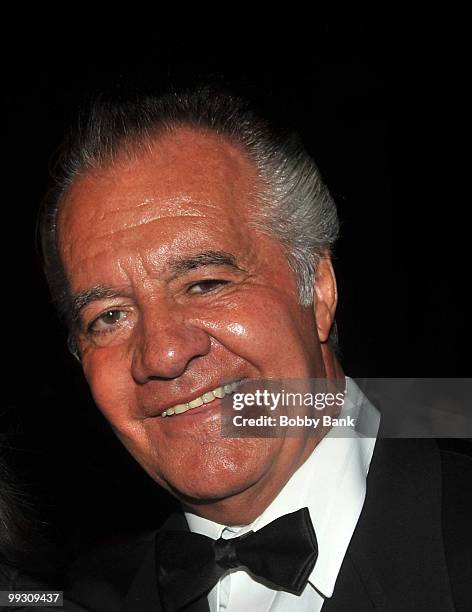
(183,175)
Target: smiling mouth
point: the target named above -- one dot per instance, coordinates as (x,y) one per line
(206,398)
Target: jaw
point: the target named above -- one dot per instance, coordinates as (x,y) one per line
(236,498)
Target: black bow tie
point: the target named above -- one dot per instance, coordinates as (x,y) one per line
(282,554)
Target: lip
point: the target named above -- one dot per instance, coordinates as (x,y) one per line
(152,412)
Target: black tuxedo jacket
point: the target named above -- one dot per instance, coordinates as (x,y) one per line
(411,549)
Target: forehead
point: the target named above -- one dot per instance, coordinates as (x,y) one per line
(186,183)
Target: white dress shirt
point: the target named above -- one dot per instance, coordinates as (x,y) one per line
(332,485)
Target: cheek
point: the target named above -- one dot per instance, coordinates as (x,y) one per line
(108,376)
(276,337)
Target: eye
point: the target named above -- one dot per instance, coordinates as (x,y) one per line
(107,321)
(206,286)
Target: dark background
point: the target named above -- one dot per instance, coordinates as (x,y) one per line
(379,110)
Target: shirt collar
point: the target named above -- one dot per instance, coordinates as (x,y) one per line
(331,484)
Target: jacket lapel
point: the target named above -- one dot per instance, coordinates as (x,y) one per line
(396,560)
(143,594)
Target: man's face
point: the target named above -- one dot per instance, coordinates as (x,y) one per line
(179,295)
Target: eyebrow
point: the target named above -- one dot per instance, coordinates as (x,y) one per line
(177,267)
(205,258)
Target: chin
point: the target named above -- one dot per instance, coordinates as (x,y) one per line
(214,472)
(213,485)
(205,494)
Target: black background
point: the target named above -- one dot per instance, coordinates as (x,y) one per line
(378,108)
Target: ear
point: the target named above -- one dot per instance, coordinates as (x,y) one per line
(326,298)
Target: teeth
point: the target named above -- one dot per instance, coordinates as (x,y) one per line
(181,408)
(198,401)
(206,398)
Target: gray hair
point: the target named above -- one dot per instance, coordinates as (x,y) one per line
(295,206)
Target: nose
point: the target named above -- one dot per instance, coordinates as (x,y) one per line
(165,345)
